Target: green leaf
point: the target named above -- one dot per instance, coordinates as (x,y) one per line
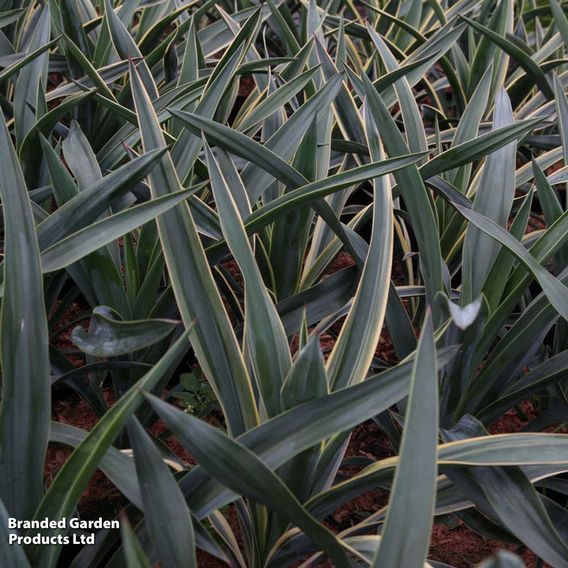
(468,127)
(555,291)
(187,147)
(126,47)
(551,207)
(272,157)
(165,511)
(559,19)
(134,555)
(477,147)
(547,245)
(355,347)
(416,197)
(307,424)
(496,450)
(509,496)
(415,134)
(497,278)
(549,372)
(239,144)
(31,78)
(25,407)
(193,285)
(108,336)
(10,16)
(23,60)
(406,533)
(80,208)
(276,100)
(269,162)
(285,141)
(517,54)
(11,554)
(72,18)
(307,380)
(266,339)
(550,203)
(562,109)
(493,199)
(488,54)
(81,243)
(514,350)
(348,118)
(80,157)
(118,466)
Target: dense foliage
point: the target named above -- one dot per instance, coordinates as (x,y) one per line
(225,208)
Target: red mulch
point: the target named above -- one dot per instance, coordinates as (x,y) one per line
(342,260)
(463,548)
(246,86)
(385,348)
(554,168)
(158,429)
(233,268)
(535,223)
(205,560)
(367,441)
(63,328)
(512,421)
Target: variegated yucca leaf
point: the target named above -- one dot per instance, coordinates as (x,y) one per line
(238,236)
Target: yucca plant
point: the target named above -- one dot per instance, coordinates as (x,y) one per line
(262,193)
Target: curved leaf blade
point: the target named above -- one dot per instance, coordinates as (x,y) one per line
(26,405)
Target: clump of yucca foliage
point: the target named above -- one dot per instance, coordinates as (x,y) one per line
(183,175)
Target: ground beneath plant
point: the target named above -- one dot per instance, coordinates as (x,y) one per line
(452,541)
